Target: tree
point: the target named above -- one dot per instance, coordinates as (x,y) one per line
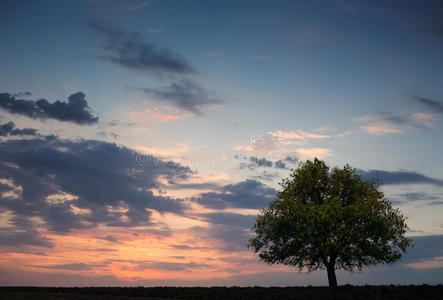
(329,219)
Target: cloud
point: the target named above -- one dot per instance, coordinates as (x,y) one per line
(260,162)
(81,184)
(305,153)
(280,164)
(425,248)
(297,136)
(22,94)
(411,269)
(154,30)
(260,57)
(24,237)
(75,110)
(171,266)
(432,105)
(261,144)
(399,177)
(418,196)
(70,267)
(185,95)
(279,141)
(130,50)
(8,129)
(224,237)
(362,7)
(291,159)
(255,162)
(266,176)
(181,247)
(387,122)
(108,238)
(412,197)
(139,6)
(228,218)
(246,194)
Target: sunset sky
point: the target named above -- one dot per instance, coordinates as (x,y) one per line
(138,139)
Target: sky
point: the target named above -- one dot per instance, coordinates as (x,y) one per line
(139,139)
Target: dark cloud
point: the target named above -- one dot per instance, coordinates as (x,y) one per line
(181,247)
(425,248)
(162,265)
(8,129)
(185,95)
(227,218)
(132,51)
(171,266)
(401,120)
(291,159)
(96,183)
(436,203)
(246,194)
(255,162)
(412,197)
(418,196)
(224,237)
(195,186)
(75,110)
(260,162)
(22,94)
(432,105)
(399,177)
(109,238)
(24,237)
(104,250)
(266,176)
(280,164)
(227,231)
(71,267)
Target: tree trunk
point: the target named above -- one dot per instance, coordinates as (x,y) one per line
(331,275)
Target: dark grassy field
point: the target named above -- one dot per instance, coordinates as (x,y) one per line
(234,293)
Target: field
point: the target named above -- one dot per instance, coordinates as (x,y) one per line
(234,293)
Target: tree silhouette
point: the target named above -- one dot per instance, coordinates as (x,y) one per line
(329,219)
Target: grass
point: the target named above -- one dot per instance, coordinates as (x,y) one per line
(231,293)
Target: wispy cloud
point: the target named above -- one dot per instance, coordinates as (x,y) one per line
(400,177)
(260,57)
(154,30)
(432,105)
(297,136)
(132,51)
(321,153)
(387,122)
(186,95)
(70,267)
(139,6)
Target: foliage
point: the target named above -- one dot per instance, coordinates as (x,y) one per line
(329,219)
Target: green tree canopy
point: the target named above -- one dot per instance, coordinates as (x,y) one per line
(329,219)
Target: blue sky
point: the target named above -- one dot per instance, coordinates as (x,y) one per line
(198,82)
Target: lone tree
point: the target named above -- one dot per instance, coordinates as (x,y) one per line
(329,219)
